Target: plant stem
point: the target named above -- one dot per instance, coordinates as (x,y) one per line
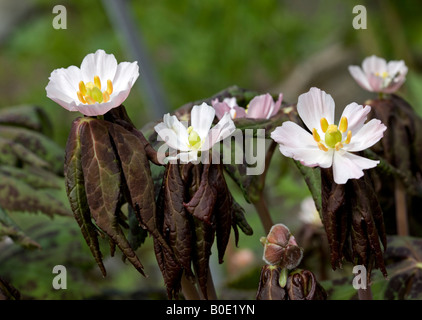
(189,289)
(260,204)
(264,215)
(401,209)
(365,294)
(212,294)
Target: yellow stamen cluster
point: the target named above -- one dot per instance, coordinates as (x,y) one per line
(383,74)
(333,135)
(91,93)
(194,139)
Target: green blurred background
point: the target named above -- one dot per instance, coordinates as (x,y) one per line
(194,49)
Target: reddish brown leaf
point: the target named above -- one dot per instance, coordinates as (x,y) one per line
(102,183)
(75,189)
(137,175)
(177,228)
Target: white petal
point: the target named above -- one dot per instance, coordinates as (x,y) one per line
(66,81)
(374,64)
(223,129)
(201,118)
(396,67)
(314,105)
(356,116)
(184,157)
(295,142)
(173,132)
(349,166)
(99,64)
(360,77)
(231,102)
(125,77)
(367,136)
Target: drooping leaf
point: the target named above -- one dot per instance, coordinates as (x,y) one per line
(204,231)
(137,234)
(404,264)
(14,154)
(222,210)
(365,207)
(35,177)
(16,195)
(36,143)
(75,188)
(10,229)
(401,149)
(201,205)
(333,211)
(27,116)
(8,291)
(176,227)
(102,179)
(171,270)
(137,175)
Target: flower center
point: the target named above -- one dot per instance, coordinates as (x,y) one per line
(386,78)
(382,74)
(194,139)
(91,93)
(333,135)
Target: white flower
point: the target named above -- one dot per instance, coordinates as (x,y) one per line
(308,212)
(97,87)
(329,144)
(199,136)
(376,75)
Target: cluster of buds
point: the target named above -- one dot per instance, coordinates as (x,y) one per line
(280,278)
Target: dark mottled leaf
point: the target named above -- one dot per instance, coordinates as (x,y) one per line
(35,177)
(302,285)
(137,234)
(222,209)
(36,143)
(13,154)
(102,178)
(137,175)
(177,228)
(16,195)
(332,211)
(8,291)
(9,228)
(404,263)
(202,203)
(27,116)
(171,270)
(75,188)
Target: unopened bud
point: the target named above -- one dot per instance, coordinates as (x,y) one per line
(280,248)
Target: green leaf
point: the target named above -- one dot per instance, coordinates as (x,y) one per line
(27,116)
(36,178)
(7,291)
(16,195)
(9,228)
(34,143)
(13,154)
